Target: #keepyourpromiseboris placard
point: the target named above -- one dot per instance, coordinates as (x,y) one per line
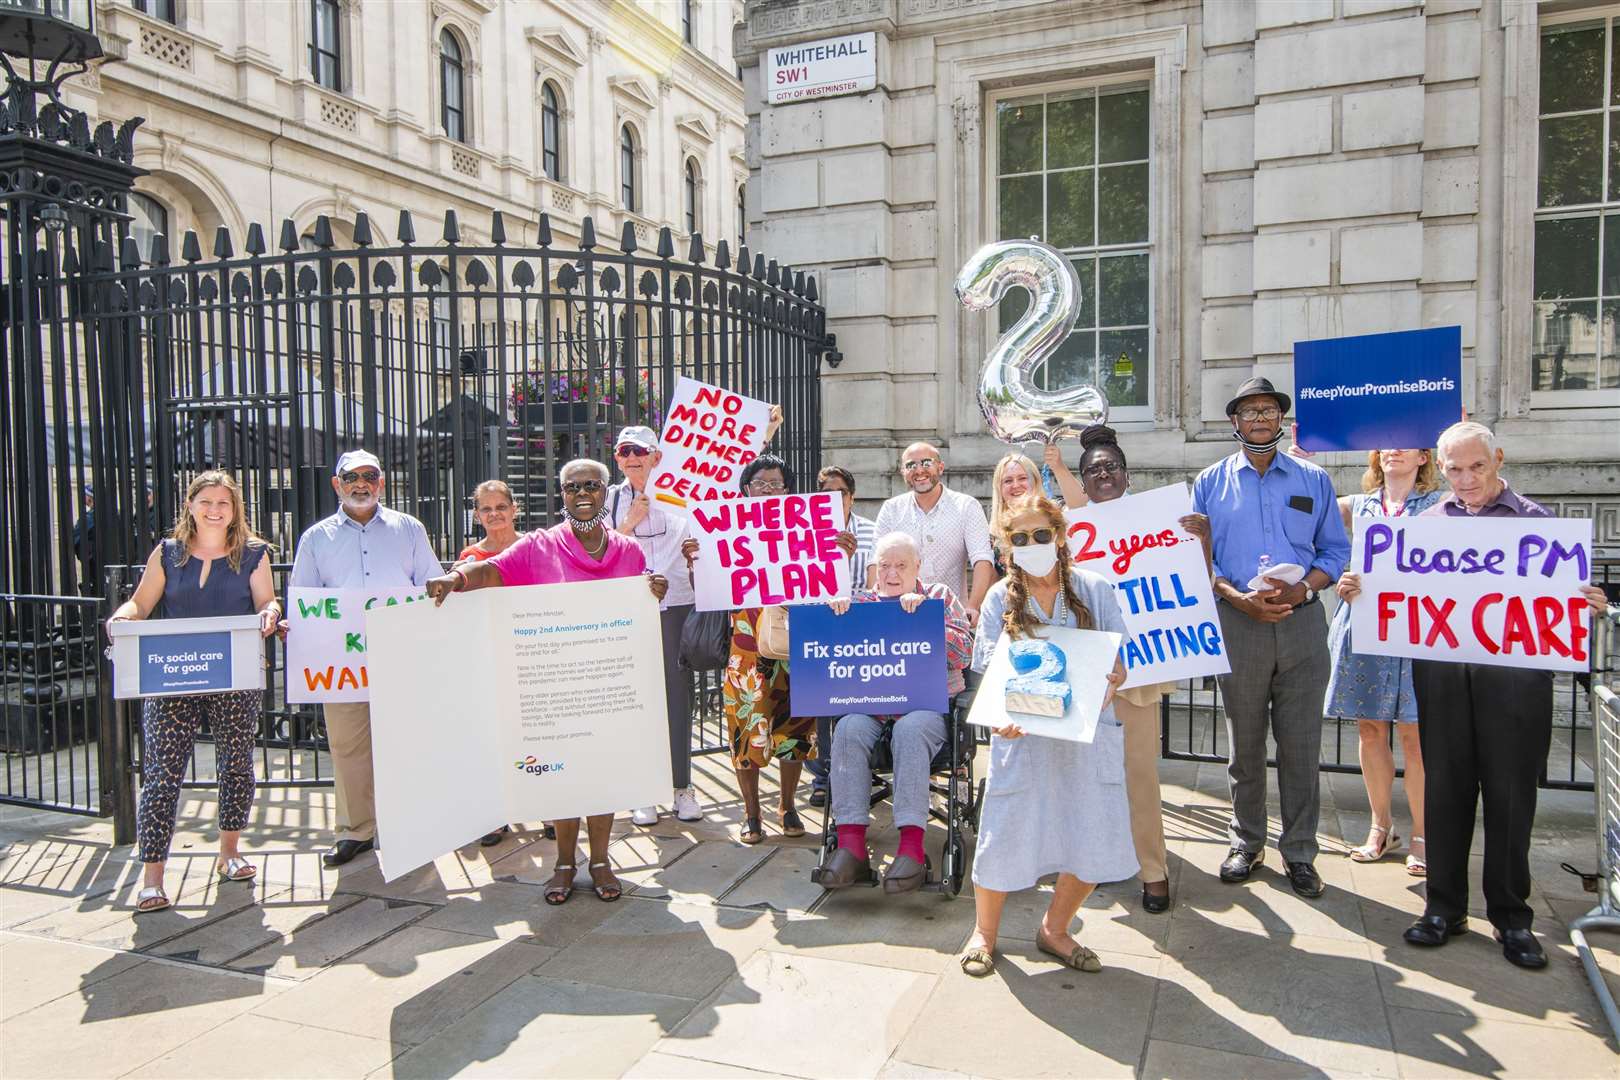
(711,434)
(876,658)
(777,549)
(1502,591)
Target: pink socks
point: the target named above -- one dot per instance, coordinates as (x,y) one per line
(853,838)
(911,842)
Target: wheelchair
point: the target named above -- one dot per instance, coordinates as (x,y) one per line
(955,794)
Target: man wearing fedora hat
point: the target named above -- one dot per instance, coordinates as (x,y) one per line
(1277,539)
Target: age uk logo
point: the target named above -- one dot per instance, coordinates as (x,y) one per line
(535,767)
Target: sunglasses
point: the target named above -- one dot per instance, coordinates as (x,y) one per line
(632,451)
(925,463)
(370,476)
(1039,536)
(589,487)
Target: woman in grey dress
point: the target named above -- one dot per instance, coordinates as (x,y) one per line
(1050,805)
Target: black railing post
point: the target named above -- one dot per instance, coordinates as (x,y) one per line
(113,751)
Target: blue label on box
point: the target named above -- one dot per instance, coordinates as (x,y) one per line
(1378,391)
(185,663)
(875,659)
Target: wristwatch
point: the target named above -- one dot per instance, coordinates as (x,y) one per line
(1310,594)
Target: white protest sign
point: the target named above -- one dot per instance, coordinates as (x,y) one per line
(710,435)
(326,640)
(778,549)
(1160,578)
(523,704)
(1087,658)
(1503,591)
(818,69)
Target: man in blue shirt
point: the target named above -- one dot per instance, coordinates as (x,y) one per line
(363,545)
(1277,539)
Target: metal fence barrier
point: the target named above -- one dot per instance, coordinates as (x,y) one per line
(1606,916)
(50,704)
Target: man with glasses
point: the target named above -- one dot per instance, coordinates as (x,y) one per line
(949,527)
(365,545)
(1276,539)
(660,534)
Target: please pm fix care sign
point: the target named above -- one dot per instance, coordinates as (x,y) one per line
(818,69)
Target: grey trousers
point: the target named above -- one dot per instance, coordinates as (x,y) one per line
(677,696)
(917,737)
(1279,677)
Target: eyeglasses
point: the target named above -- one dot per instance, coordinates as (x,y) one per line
(498,508)
(370,476)
(1262,412)
(632,451)
(1102,468)
(589,487)
(1039,536)
(767,487)
(925,463)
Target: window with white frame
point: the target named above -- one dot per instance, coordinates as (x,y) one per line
(158,9)
(627,167)
(148,218)
(689,196)
(742,214)
(452,86)
(325,44)
(1070,167)
(1577,245)
(550,132)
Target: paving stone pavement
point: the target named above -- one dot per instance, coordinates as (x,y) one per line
(724,960)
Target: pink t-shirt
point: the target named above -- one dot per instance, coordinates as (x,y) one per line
(548,556)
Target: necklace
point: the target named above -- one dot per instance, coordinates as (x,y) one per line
(1060,609)
(1383,501)
(601,548)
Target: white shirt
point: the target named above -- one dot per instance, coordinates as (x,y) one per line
(952,536)
(660,535)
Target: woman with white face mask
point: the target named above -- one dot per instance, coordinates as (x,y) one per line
(1050,805)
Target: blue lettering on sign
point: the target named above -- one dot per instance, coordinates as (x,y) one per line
(185,663)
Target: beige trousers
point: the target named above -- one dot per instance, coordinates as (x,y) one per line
(348,732)
(1142,786)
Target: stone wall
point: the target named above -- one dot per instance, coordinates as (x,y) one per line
(1321,168)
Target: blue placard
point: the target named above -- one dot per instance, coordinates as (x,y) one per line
(1378,391)
(874,659)
(185,663)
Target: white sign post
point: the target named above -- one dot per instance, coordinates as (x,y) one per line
(326,640)
(1501,591)
(1160,578)
(1088,655)
(520,704)
(818,69)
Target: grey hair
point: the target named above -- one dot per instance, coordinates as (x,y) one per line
(592,464)
(1466,431)
(889,541)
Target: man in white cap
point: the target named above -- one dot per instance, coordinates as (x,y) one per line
(364,545)
(631,511)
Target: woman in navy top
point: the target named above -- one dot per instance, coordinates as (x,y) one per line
(212,564)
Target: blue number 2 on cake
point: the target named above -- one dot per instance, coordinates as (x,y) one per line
(1040,687)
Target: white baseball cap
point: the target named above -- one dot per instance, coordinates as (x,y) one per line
(354,459)
(636,435)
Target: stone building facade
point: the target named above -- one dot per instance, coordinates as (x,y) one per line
(1229,177)
(260,110)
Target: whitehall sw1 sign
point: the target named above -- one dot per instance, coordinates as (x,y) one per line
(818,69)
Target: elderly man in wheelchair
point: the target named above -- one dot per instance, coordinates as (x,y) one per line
(915,739)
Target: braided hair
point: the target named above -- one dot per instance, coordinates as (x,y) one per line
(1017,621)
(1099,437)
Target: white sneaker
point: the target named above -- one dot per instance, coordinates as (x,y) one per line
(686,805)
(647,815)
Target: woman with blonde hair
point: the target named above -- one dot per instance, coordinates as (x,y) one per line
(1050,805)
(212,564)
(1377,690)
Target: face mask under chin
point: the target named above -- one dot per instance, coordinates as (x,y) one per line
(1258,447)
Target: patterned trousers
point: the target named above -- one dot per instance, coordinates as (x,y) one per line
(168,730)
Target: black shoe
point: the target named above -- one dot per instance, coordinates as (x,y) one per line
(1240,864)
(818,797)
(493,838)
(1522,949)
(1302,876)
(1435,930)
(1155,903)
(844,869)
(344,850)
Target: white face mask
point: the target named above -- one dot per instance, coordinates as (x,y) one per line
(1035,559)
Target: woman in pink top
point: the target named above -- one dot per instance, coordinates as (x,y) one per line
(579,549)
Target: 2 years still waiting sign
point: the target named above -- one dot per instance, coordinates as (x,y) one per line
(1502,591)
(326,640)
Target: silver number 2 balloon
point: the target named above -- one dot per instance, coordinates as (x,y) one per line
(1016,410)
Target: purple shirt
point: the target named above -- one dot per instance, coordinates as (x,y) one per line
(1507,504)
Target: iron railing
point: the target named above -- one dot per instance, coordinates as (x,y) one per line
(51,696)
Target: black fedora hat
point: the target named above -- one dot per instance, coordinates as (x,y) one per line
(1255,387)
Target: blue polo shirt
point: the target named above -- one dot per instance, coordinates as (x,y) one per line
(1290,514)
(340,553)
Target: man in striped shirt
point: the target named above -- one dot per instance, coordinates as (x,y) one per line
(839,479)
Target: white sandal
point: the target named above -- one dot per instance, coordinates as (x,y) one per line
(236,869)
(153,892)
(1371,853)
(1416,864)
